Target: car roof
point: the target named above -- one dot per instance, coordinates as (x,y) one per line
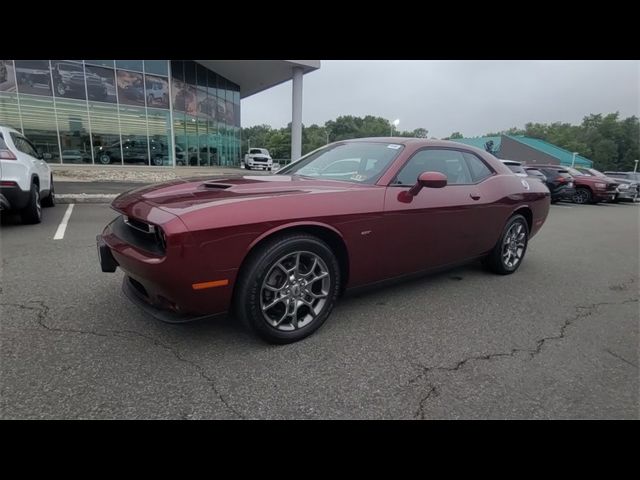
(9,129)
(510,162)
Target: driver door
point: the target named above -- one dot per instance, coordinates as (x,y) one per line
(438,226)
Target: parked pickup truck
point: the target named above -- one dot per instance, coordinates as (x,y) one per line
(258,158)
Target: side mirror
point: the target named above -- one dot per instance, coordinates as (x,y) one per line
(425,179)
(428,180)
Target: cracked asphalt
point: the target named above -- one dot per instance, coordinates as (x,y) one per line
(557,340)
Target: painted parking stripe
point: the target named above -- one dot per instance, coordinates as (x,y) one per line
(561,206)
(63,223)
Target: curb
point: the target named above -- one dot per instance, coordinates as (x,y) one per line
(63,198)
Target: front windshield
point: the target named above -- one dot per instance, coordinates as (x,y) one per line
(357,162)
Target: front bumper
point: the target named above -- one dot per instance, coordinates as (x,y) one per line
(136,294)
(166,280)
(628,194)
(604,196)
(261,166)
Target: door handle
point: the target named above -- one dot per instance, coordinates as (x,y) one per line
(475,195)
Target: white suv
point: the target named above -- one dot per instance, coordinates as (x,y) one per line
(26,181)
(258,158)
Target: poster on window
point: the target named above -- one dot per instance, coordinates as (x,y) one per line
(178,93)
(33,77)
(191,103)
(130,88)
(7,76)
(68,79)
(157,91)
(101,84)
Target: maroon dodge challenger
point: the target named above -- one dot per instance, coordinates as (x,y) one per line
(278,250)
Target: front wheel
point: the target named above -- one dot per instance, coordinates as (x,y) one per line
(507,255)
(582,196)
(288,288)
(104,159)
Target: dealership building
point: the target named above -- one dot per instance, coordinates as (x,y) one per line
(141,112)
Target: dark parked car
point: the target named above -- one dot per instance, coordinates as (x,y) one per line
(588,189)
(133,151)
(280,249)
(537,174)
(558,180)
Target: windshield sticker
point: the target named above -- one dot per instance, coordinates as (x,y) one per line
(395,146)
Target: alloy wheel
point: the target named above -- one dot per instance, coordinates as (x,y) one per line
(513,245)
(295,290)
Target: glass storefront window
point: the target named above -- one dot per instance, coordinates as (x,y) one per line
(39,124)
(130,88)
(158,67)
(179,131)
(68,79)
(157,90)
(191,136)
(204,157)
(102,63)
(118,111)
(33,77)
(7,76)
(105,133)
(133,130)
(9,111)
(135,65)
(160,141)
(73,128)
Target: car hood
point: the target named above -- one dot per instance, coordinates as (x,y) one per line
(186,194)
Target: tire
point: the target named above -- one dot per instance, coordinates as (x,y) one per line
(582,196)
(261,275)
(104,159)
(32,213)
(496,261)
(157,161)
(50,200)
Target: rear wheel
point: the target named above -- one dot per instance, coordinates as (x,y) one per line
(50,200)
(507,255)
(104,159)
(288,288)
(32,213)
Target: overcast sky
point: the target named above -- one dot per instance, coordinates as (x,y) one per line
(469,96)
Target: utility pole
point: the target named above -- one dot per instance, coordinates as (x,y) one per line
(635,169)
(573,162)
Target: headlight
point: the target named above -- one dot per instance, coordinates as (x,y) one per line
(601,185)
(623,186)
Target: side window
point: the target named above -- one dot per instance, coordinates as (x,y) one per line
(22,145)
(479,171)
(449,162)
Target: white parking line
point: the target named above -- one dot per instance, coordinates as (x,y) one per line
(561,206)
(63,223)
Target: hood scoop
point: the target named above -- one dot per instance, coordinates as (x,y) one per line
(216,186)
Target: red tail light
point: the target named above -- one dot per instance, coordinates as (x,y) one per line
(7,154)
(7,183)
(561,179)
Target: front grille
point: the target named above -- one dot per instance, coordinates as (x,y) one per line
(611,187)
(133,232)
(259,159)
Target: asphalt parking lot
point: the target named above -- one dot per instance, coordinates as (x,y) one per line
(558,339)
